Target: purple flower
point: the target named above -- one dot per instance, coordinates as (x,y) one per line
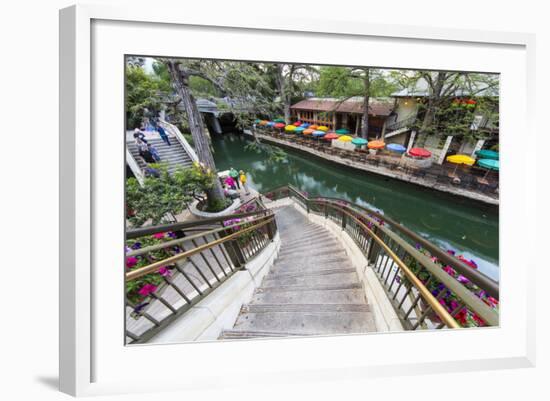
(172,234)
(136,245)
(418,246)
(164,271)
(451,252)
(462,279)
(140,306)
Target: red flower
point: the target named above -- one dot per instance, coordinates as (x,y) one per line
(471,101)
(158,235)
(147,289)
(131,261)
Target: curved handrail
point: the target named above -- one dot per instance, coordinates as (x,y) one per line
(150,268)
(489,285)
(141,232)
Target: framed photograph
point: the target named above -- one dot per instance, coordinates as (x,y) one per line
(233,206)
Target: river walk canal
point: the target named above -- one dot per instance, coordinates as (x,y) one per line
(468,227)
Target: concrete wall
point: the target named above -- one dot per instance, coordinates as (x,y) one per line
(219,310)
(384,315)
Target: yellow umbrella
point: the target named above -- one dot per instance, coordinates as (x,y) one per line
(345,138)
(290,128)
(322,128)
(460,159)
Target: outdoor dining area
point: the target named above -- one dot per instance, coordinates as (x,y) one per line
(458,170)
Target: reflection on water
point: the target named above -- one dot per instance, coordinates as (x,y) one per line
(450,222)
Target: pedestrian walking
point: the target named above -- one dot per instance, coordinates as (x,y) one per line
(163,135)
(230,181)
(243,179)
(153,152)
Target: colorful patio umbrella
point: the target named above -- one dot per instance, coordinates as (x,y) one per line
(322,128)
(420,152)
(397,148)
(263,122)
(279,125)
(290,128)
(257,121)
(376,144)
(299,130)
(359,141)
(460,159)
(487,154)
(342,131)
(489,164)
(270,124)
(308,131)
(345,138)
(313,127)
(330,136)
(280,120)
(306,125)
(297,123)
(318,134)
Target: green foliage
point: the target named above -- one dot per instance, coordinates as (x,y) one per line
(342,82)
(144,93)
(166,194)
(274,154)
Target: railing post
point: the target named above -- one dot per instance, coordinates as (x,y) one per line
(343,220)
(307,205)
(326,210)
(370,250)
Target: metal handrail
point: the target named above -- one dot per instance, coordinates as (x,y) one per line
(142,271)
(141,232)
(489,285)
(354,220)
(201,234)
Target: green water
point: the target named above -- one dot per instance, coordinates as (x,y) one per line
(468,227)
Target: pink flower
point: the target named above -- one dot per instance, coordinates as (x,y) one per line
(131,261)
(462,279)
(164,271)
(158,235)
(147,289)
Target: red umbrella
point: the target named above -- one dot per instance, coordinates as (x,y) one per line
(330,136)
(420,152)
(279,125)
(297,123)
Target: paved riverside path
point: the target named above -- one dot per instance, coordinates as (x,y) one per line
(312,289)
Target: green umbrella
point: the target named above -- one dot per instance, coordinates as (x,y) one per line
(279,120)
(489,164)
(342,131)
(359,141)
(487,154)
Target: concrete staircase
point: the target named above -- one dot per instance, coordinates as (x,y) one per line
(312,289)
(175,155)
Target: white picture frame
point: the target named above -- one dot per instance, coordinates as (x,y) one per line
(92,360)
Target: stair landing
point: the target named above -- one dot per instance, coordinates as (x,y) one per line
(312,289)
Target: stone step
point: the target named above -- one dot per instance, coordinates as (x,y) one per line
(317,240)
(304,308)
(308,323)
(319,272)
(317,263)
(312,280)
(246,334)
(346,296)
(310,250)
(327,287)
(319,257)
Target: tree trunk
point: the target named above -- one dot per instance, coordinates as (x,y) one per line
(285,97)
(365,119)
(215,195)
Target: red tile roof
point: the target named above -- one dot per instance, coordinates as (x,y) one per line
(378,107)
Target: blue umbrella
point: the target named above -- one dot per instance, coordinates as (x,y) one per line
(318,134)
(487,154)
(395,147)
(270,124)
(489,164)
(299,130)
(305,125)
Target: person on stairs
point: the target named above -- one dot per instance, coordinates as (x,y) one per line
(139,136)
(144,151)
(163,135)
(153,152)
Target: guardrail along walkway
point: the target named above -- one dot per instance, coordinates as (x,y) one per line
(311,289)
